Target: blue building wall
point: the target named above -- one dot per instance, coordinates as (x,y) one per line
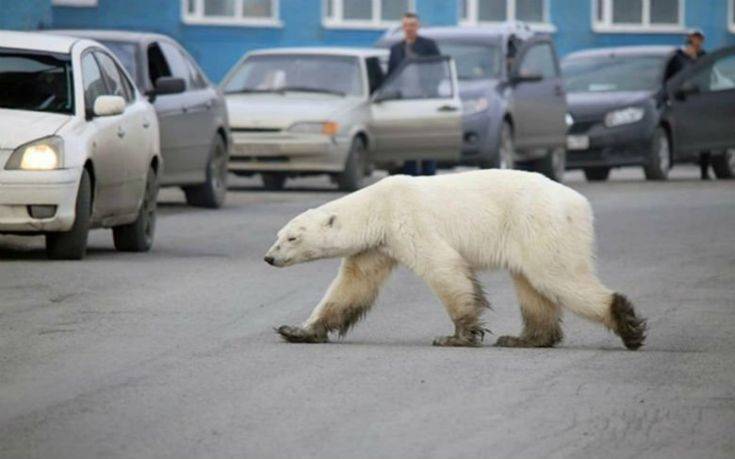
(218,47)
(25,14)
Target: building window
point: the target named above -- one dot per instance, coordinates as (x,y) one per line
(477,12)
(78,3)
(365,14)
(231,12)
(638,15)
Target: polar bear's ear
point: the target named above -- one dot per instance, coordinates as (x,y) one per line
(331,218)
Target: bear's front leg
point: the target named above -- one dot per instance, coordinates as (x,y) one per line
(347,300)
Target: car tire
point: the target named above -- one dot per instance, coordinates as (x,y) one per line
(352,177)
(659,159)
(597,174)
(724,164)
(552,165)
(72,244)
(273,181)
(211,194)
(138,236)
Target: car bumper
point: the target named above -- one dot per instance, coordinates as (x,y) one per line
(285,152)
(19,190)
(609,147)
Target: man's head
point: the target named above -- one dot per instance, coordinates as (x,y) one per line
(695,39)
(411,26)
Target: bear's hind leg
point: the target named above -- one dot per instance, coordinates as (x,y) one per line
(541,318)
(347,300)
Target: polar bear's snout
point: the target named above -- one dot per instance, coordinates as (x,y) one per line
(274,256)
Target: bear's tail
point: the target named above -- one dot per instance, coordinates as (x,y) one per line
(630,328)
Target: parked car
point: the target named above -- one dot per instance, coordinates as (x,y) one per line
(623,113)
(191,111)
(301,111)
(79,145)
(513,101)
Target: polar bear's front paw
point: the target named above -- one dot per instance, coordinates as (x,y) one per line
(300,335)
(456,341)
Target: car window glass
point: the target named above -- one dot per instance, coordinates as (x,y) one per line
(157,65)
(126,54)
(196,79)
(422,79)
(539,60)
(375,73)
(94,84)
(115,80)
(720,76)
(176,63)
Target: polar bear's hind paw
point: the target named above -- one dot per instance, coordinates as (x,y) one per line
(300,335)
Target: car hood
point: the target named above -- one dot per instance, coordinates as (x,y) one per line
(597,104)
(470,89)
(275,111)
(18,127)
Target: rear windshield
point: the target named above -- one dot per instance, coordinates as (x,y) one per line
(126,54)
(474,62)
(36,81)
(613,73)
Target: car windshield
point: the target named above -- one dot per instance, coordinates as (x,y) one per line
(474,62)
(338,75)
(125,52)
(36,81)
(613,73)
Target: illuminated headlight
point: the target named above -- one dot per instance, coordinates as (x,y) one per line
(327,128)
(471,106)
(40,155)
(569,120)
(624,116)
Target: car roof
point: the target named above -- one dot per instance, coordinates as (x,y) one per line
(642,50)
(37,41)
(323,50)
(493,32)
(112,35)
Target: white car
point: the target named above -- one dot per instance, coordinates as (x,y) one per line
(79,146)
(300,111)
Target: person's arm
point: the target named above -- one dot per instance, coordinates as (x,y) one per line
(394,59)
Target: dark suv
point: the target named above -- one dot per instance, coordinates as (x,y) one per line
(192,116)
(513,97)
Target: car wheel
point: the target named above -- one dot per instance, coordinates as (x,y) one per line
(659,159)
(138,236)
(724,164)
(273,181)
(72,244)
(597,174)
(212,193)
(552,165)
(351,178)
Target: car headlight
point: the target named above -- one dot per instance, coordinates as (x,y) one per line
(624,116)
(477,105)
(40,155)
(569,120)
(326,127)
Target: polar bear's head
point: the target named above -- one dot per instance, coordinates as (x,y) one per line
(313,235)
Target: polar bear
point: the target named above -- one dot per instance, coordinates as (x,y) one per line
(447,228)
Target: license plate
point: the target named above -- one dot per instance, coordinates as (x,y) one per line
(578,142)
(257,150)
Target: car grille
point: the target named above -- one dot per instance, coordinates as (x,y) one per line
(582,127)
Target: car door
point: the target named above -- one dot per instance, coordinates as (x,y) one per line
(134,131)
(105,145)
(701,104)
(538,99)
(416,113)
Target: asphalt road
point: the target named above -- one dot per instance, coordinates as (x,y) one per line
(171,354)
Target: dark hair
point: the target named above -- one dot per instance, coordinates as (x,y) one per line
(410,15)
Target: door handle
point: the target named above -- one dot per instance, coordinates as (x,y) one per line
(146,124)
(120,132)
(447,108)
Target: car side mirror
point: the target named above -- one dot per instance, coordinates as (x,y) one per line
(526,77)
(169,85)
(685,90)
(389,94)
(108,106)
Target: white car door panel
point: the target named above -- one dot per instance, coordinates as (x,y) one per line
(416,114)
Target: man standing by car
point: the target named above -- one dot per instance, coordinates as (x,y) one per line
(410,47)
(683,58)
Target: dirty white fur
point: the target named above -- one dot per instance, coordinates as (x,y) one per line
(446,228)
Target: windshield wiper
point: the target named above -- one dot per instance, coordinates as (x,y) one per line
(310,89)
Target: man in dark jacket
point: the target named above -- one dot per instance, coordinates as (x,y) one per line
(413,46)
(683,58)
